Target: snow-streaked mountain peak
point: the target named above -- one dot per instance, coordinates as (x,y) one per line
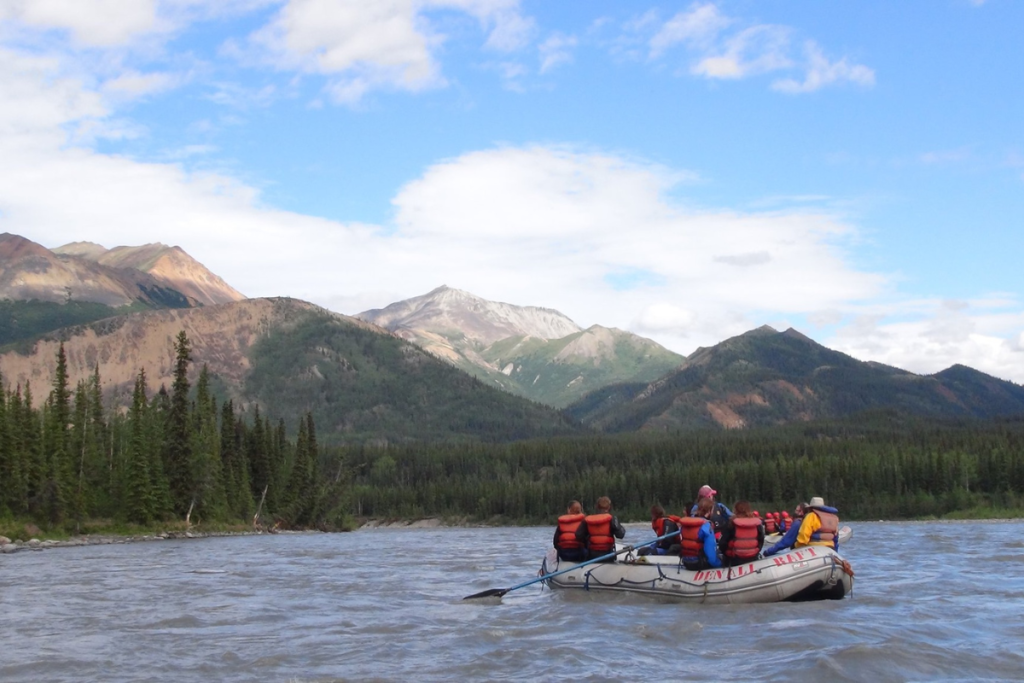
(446,310)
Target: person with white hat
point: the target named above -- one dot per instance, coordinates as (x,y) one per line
(820,525)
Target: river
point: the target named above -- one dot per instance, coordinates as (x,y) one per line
(931,601)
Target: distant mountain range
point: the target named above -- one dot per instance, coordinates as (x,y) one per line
(534,352)
(445,365)
(766,377)
(287,357)
(153,275)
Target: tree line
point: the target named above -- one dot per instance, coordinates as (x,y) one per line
(888,469)
(173,455)
(180,454)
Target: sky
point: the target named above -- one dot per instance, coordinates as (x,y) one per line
(686,171)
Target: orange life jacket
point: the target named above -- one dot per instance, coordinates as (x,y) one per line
(769,525)
(826,533)
(567,525)
(659,524)
(691,545)
(600,529)
(743,545)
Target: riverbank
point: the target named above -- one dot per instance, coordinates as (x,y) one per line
(8,546)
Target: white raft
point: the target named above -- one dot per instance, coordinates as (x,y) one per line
(811,573)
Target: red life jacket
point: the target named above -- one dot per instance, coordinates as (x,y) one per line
(659,524)
(769,525)
(567,525)
(743,545)
(692,547)
(600,529)
(826,534)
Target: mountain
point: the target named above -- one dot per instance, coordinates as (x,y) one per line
(170,265)
(43,290)
(533,352)
(30,271)
(288,357)
(767,377)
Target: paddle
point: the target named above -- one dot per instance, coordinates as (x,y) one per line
(498,592)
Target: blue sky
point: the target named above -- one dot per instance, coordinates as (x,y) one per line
(687,171)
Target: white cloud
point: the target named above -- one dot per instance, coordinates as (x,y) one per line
(362,46)
(131,84)
(755,50)
(727,48)
(335,36)
(939,336)
(555,51)
(98,23)
(549,223)
(821,72)
(697,27)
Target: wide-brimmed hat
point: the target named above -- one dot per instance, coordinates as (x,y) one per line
(816,502)
(706,492)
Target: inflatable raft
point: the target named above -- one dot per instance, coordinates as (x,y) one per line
(811,573)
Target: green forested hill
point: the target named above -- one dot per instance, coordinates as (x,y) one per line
(25,320)
(555,373)
(361,385)
(766,377)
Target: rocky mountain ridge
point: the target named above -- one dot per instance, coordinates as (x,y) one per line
(168,264)
(534,352)
(766,377)
(154,275)
(287,358)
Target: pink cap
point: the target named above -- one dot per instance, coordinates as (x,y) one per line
(706,492)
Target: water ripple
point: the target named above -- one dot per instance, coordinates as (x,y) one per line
(927,605)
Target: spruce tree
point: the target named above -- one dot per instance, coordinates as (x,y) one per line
(207,472)
(58,478)
(260,467)
(177,435)
(139,502)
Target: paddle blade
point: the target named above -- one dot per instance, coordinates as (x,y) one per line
(489,593)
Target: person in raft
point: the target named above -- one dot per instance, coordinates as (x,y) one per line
(569,549)
(820,525)
(743,536)
(663,525)
(720,514)
(788,539)
(598,532)
(784,521)
(699,548)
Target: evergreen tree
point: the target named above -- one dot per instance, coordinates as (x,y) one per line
(261,468)
(207,472)
(59,471)
(139,502)
(177,435)
(98,454)
(156,440)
